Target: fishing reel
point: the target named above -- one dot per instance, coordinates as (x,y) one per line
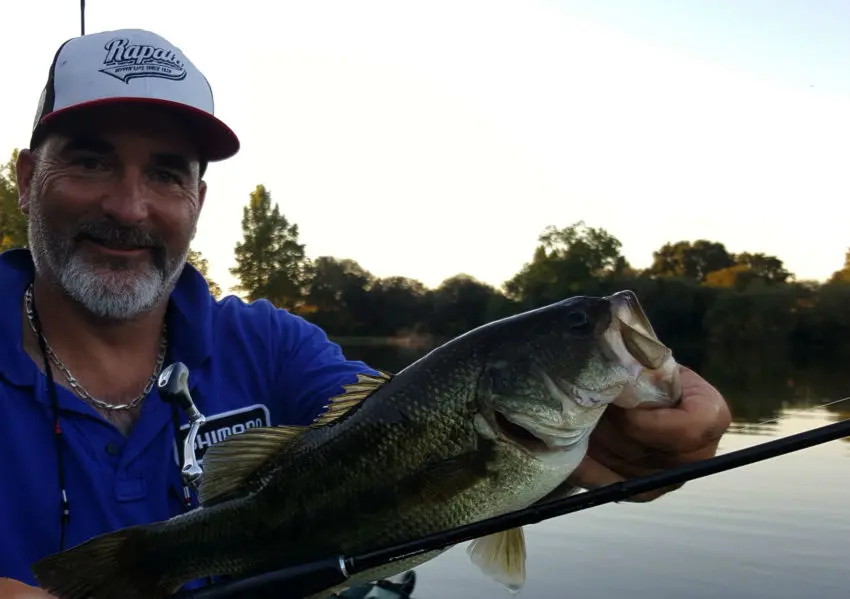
(173,384)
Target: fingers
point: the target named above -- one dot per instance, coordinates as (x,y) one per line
(591,474)
(632,443)
(699,420)
(608,443)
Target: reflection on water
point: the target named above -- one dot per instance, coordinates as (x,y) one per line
(774,530)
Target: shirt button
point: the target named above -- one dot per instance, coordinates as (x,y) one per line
(111,449)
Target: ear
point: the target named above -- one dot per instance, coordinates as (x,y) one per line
(24,168)
(202,194)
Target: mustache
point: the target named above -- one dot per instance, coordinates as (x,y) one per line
(116,233)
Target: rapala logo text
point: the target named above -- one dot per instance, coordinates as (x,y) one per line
(219,427)
(126,61)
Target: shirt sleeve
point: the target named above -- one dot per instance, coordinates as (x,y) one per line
(309,368)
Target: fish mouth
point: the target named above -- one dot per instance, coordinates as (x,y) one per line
(519,434)
(532,437)
(633,343)
(638,335)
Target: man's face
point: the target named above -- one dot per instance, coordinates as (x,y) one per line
(113,199)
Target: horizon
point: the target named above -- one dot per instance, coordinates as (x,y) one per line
(432,140)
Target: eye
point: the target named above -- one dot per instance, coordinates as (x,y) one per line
(89,162)
(166,177)
(579,322)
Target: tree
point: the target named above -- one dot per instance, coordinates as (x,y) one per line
(750,270)
(398,306)
(690,260)
(337,295)
(332,282)
(842,275)
(196,259)
(270,262)
(462,303)
(13,223)
(737,276)
(769,269)
(568,261)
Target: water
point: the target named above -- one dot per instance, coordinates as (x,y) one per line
(774,530)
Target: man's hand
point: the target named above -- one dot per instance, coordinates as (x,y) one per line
(630,443)
(13,589)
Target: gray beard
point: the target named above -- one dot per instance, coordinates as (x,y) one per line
(111,295)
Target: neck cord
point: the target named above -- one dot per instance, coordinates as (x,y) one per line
(65,505)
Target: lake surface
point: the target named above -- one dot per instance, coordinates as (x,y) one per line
(778,529)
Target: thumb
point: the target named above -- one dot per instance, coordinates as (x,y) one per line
(15,589)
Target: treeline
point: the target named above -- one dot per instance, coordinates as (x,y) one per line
(699,295)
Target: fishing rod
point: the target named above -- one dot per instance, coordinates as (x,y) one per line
(303,580)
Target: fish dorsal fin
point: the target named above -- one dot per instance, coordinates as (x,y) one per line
(501,556)
(353,395)
(227,464)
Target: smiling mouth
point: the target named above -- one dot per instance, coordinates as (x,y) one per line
(115,246)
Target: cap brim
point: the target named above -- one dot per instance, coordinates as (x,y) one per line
(216,141)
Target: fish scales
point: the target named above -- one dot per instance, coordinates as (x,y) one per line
(352,466)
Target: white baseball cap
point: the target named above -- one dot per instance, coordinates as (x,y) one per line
(132,66)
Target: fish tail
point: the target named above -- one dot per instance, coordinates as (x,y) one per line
(116,564)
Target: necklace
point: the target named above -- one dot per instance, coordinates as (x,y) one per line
(78,389)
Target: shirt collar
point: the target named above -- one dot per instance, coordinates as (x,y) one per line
(189,317)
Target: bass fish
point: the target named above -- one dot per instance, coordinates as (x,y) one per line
(490,422)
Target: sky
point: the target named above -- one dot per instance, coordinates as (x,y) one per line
(427,139)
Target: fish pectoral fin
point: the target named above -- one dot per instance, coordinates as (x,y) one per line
(501,556)
(227,464)
(353,395)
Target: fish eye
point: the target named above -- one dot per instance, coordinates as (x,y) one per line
(579,322)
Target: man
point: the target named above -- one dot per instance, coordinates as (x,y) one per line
(112,186)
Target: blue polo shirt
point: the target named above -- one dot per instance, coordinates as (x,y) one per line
(250,365)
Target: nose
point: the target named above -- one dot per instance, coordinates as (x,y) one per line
(127,200)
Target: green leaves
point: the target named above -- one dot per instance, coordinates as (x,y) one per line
(270,261)
(13,223)
(196,259)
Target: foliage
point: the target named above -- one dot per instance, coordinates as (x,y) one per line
(565,262)
(196,259)
(700,296)
(690,260)
(270,262)
(842,275)
(13,223)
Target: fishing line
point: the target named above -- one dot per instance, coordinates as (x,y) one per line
(798,412)
(633,460)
